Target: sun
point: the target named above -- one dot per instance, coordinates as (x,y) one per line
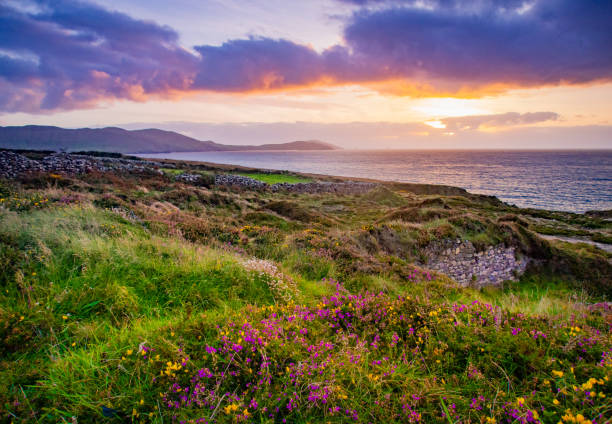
(436,124)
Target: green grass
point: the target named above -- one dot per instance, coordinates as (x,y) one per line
(83,290)
(276,178)
(173,171)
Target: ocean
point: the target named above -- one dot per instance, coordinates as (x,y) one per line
(574,181)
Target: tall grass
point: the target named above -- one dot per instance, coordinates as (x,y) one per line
(86,294)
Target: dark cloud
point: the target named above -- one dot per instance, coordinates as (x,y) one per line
(256,64)
(551,42)
(508,119)
(68,54)
(441,46)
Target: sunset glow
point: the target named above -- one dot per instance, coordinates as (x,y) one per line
(143,64)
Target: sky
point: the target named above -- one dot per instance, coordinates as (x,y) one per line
(397,74)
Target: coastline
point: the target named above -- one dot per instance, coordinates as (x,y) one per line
(165,274)
(551,180)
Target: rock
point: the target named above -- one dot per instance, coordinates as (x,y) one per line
(14,164)
(460,261)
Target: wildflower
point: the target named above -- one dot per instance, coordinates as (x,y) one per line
(558,373)
(230,408)
(129,352)
(64,317)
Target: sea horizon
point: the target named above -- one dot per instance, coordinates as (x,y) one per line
(565,180)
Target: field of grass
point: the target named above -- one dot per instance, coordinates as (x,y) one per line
(276,178)
(142,299)
(172,171)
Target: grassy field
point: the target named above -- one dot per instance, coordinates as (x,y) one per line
(141,299)
(276,178)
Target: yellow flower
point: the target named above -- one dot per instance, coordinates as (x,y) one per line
(520,401)
(555,401)
(230,408)
(558,373)
(64,317)
(129,352)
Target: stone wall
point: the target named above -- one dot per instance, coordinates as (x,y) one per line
(460,260)
(345,187)
(14,164)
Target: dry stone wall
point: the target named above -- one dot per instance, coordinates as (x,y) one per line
(460,260)
(13,164)
(345,187)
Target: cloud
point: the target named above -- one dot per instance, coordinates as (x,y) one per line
(508,119)
(436,47)
(257,64)
(68,54)
(500,43)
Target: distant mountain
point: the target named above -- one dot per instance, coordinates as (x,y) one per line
(293,145)
(112,139)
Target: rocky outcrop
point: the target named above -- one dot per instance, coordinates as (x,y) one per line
(239,181)
(189,178)
(14,164)
(460,260)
